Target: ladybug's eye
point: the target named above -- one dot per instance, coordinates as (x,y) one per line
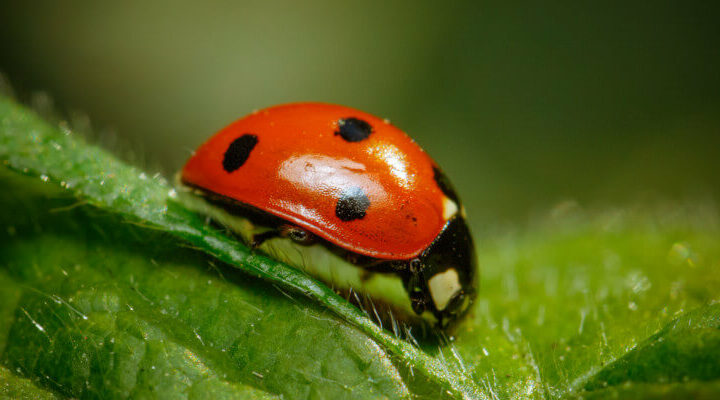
(353,129)
(455,306)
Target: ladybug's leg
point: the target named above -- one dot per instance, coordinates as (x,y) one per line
(415,287)
(294,233)
(297,234)
(417,297)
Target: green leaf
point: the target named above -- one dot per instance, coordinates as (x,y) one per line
(106,315)
(562,302)
(14,387)
(30,145)
(111,288)
(686,349)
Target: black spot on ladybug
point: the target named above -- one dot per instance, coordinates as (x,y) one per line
(445,186)
(239,151)
(352,204)
(353,129)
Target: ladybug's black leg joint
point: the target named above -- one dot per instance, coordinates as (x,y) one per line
(297,234)
(417,301)
(294,233)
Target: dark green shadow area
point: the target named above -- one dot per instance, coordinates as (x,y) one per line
(14,387)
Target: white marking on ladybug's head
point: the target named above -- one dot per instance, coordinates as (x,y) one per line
(449,208)
(443,287)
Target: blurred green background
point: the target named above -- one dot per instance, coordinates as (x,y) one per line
(526,105)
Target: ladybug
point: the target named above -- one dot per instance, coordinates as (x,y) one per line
(315,173)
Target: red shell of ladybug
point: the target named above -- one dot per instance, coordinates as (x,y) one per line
(348,177)
(355,181)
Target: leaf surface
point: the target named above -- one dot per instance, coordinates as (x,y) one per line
(111,288)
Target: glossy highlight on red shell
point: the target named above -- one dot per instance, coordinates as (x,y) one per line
(369,188)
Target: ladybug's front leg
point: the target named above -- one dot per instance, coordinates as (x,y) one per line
(294,233)
(297,234)
(414,286)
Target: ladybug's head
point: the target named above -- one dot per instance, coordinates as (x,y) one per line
(443,279)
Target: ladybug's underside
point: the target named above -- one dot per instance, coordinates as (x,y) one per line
(436,287)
